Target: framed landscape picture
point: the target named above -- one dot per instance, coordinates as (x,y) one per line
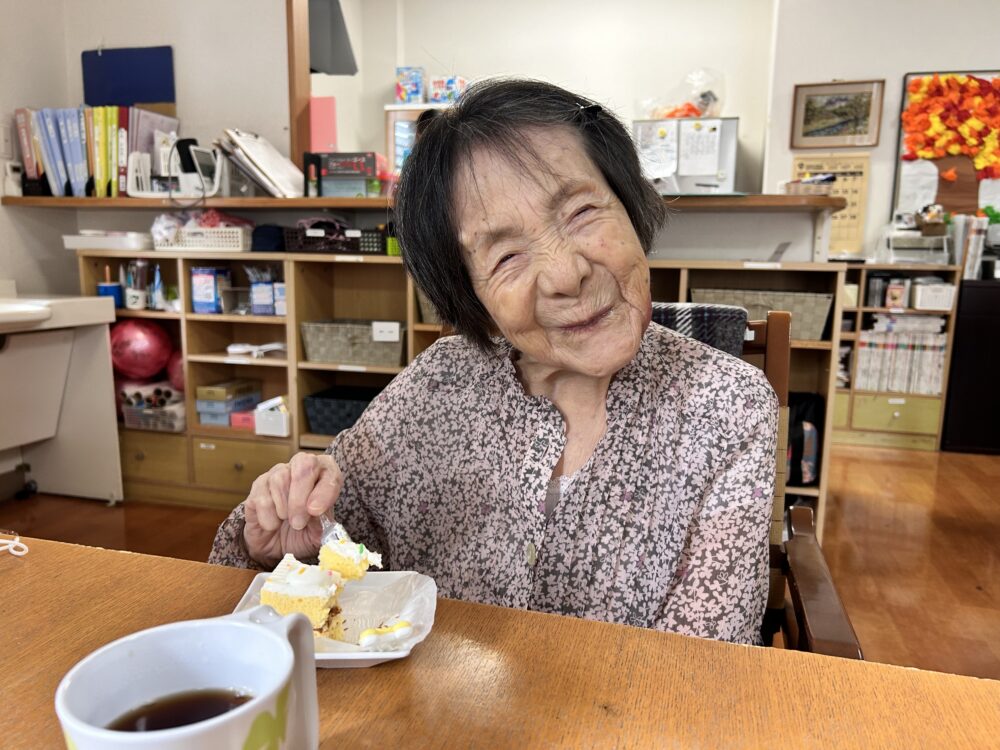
(837,115)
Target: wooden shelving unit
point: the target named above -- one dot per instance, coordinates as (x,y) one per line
(891,419)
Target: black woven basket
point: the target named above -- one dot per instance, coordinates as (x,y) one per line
(336,409)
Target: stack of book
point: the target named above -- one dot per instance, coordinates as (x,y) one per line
(901,354)
(84,150)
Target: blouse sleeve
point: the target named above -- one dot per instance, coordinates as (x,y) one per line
(720,589)
(369,474)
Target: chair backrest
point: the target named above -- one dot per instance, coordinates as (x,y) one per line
(771,339)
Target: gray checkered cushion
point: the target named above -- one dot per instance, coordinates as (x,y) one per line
(719,326)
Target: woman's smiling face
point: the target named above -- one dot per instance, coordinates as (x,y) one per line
(553,256)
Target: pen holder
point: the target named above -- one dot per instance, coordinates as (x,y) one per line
(113,290)
(136,299)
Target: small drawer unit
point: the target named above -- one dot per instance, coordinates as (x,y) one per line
(896,414)
(153,456)
(234,464)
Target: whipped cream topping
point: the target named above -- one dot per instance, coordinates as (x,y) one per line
(294,578)
(341,544)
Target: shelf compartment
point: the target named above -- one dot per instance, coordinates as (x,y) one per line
(227,318)
(312,441)
(336,367)
(807,344)
(150,314)
(227,359)
(804,491)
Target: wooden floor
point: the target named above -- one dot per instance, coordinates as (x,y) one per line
(912,539)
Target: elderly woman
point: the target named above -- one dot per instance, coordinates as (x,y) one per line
(562,453)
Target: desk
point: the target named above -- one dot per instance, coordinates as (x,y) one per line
(491,677)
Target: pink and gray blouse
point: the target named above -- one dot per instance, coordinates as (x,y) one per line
(448,471)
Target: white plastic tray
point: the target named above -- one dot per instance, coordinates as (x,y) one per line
(368,603)
(108,241)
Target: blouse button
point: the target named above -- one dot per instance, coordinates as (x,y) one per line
(530,554)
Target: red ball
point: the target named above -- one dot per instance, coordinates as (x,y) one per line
(175,371)
(139,348)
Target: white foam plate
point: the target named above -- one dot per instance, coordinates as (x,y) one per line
(368,603)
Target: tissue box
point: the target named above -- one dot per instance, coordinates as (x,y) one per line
(206,288)
(217,406)
(446,89)
(410,85)
(230,389)
(242,420)
(210,418)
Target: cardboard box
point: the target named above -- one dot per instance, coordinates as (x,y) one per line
(410,85)
(242,420)
(225,406)
(218,420)
(446,89)
(228,390)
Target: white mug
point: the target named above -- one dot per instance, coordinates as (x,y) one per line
(256,651)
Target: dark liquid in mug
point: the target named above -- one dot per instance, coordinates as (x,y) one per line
(179,709)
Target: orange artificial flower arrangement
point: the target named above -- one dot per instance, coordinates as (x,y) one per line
(952,115)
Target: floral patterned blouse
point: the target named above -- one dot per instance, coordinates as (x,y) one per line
(665,527)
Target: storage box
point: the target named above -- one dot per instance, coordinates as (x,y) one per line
(242,420)
(169,418)
(225,406)
(446,89)
(809,310)
(262,298)
(410,85)
(352,342)
(229,389)
(335,409)
(273,423)
(207,285)
(211,418)
(348,164)
(328,240)
(349,187)
(933,296)
(280,301)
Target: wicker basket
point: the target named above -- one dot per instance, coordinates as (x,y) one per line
(232,239)
(350,342)
(809,310)
(169,418)
(335,409)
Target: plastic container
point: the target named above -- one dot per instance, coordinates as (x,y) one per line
(98,240)
(230,239)
(169,418)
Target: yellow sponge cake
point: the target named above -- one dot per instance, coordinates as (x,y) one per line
(348,558)
(308,589)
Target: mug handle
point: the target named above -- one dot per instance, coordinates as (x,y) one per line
(303,724)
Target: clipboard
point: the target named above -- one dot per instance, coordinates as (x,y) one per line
(279,170)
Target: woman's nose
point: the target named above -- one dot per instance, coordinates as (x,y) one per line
(563,273)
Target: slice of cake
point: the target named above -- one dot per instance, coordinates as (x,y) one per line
(308,589)
(348,558)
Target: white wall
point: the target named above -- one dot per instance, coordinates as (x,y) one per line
(616,53)
(818,41)
(230,58)
(34,75)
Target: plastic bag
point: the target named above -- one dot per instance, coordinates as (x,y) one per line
(700,94)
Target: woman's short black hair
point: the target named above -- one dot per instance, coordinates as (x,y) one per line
(493,115)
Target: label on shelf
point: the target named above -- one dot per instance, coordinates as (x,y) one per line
(897,401)
(897,310)
(352,368)
(348,258)
(761,264)
(385,330)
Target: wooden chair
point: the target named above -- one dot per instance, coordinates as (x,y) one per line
(802,601)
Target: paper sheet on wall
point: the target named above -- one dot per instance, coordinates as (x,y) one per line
(918,185)
(657,145)
(989,194)
(699,147)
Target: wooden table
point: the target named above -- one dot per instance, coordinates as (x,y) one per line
(490,677)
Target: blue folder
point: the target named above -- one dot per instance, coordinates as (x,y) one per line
(128,75)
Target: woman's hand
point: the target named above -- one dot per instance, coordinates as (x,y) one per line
(284,506)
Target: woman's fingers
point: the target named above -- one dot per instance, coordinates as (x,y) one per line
(278,482)
(260,508)
(304,470)
(329,482)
